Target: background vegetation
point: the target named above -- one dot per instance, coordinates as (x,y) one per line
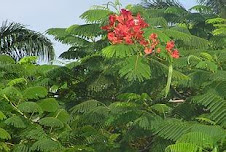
(112,97)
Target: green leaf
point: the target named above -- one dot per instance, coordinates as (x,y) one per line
(13,94)
(51,122)
(28,60)
(214,103)
(17,81)
(215,20)
(158,21)
(15,121)
(21,148)
(177,35)
(62,115)
(161,35)
(30,107)
(85,106)
(183,147)
(35,92)
(161,108)
(118,51)
(208,65)
(197,138)
(95,15)
(4,147)
(174,10)
(36,133)
(172,129)
(45,145)
(49,104)
(207,56)
(77,148)
(135,68)
(86,30)
(4,134)
(143,122)
(2,116)
(5,59)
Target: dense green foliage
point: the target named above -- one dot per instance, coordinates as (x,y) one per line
(112,98)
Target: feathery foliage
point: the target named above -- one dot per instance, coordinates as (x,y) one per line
(112,97)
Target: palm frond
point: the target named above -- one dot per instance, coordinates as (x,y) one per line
(17,41)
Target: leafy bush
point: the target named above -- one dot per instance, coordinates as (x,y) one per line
(124,96)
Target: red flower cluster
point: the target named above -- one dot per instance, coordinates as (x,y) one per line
(170,48)
(152,45)
(125,28)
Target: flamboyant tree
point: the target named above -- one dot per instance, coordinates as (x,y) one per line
(145,79)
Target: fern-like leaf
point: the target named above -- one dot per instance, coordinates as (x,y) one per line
(16,122)
(172,129)
(135,68)
(95,15)
(86,30)
(5,59)
(85,106)
(35,134)
(49,105)
(118,51)
(62,115)
(51,122)
(2,116)
(161,108)
(215,104)
(4,134)
(30,107)
(35,92)
(197,138)
(21,148)
(17,81)
(46,145)
(183,147)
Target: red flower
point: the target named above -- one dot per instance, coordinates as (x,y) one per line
(120,19)
(153,36)
(125,28)
(144,42)
(148,50)
(125,13)
(170,45)
(158,50)
(107,28)
(112,19)
(141,22)
(175,54)
(128,39)
(111,36)
(121,30)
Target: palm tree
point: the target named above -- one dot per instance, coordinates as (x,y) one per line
(219,6)
(18,41)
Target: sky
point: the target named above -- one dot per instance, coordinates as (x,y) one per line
(40,15)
